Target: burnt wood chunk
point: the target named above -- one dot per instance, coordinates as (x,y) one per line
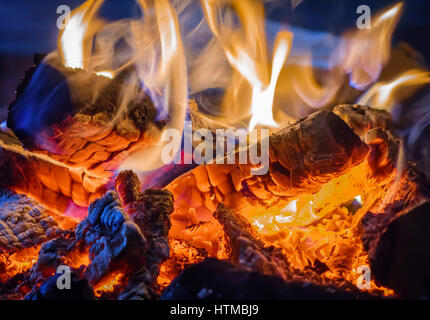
(221,280)
(400,256)
(313,151)
(246,249)
(115,242)
(363,118)
(80,289)
(150,210)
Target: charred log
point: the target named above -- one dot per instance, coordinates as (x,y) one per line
(71,133)
(79,289)
(85,97)
(303,157)
(400,257)
(232,282)
(115,242)
(150,210)
(301,160)
(363,118)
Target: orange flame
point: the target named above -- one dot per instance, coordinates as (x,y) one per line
(246,51)
(367,51)
(383,94)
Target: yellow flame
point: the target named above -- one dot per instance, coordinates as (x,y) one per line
(383,94)
(246,51)
(75,41)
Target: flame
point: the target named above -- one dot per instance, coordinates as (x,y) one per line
(308,228)
(383,94)
(365,52)
(246,51)
(165,79)
(75,41)
(106,74)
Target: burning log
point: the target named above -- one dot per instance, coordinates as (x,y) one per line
(374,126)
(45,179)
(363,118)
(69,146)
(303,157)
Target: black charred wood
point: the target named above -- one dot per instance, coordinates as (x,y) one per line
(115,242)
(80,289)
(221,280)
(401,258)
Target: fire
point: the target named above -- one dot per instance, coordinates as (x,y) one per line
(246,51)
(106,74)
(313,228)
(109,283)
(365,52)
(385,94)
(75,42)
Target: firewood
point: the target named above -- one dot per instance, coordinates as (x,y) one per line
(45,179)
(399,254)
(363,118)
(303,157)
(115,242)
(150,210)
(71,130)
(229,281)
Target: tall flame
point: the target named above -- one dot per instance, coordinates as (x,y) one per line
(246,51)
(165,77)
(75,40)
(365,52)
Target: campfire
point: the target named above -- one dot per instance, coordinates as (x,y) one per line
(190,153)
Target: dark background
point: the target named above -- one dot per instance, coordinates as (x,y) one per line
(29,26)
